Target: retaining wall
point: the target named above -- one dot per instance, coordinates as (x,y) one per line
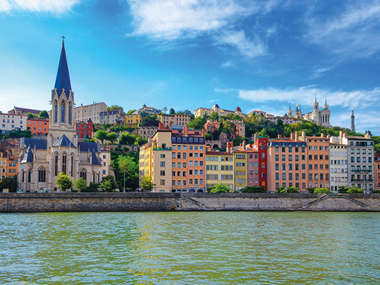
(105,202)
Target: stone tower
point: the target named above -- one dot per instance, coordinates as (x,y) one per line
(352,120)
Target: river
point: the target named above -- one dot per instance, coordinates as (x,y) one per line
(190,248)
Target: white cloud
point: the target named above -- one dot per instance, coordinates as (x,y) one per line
(353,32)
(306,95)
(319,71)
(170,20)
(238,39)
(4,5)
(54,6)
(227,64)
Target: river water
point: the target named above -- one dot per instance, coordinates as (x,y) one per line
(190,248)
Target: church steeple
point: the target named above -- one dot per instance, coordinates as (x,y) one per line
(63,77)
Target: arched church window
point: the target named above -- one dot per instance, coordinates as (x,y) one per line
(83,174)
(64,163)
(56,165)
(70,113)
(29,176)
(55,111)
(63,109)
(41,174)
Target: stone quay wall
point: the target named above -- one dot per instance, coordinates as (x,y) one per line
(115,202)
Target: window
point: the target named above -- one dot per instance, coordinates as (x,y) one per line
(83,174)
(162,163)
(64,163)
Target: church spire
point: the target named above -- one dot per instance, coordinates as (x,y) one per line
(63,77)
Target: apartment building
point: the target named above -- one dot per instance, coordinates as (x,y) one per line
(156,161)
(113,117)
(377,171)
(241,169)
(318,167)
(3,165)
(175,160)
(133,120)
(9,122)
(84,130)
(38,127)
(174,120)
(338,166)
(23,111)
(146,132)
(105,156)
(219,169)
(360,162)
(253,168)
(83,113)
(287,164)
(12,167)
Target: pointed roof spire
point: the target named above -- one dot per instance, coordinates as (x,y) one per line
(63,77)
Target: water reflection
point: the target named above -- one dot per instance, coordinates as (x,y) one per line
(212,248)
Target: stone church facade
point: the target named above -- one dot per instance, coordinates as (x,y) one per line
(321,117)
(42,159)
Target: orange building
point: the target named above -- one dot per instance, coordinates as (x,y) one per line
(188,161)
(377,171)
(37,126)
(12,166)
(318,161)
(287,161)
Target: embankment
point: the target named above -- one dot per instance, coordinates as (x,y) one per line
(108,202)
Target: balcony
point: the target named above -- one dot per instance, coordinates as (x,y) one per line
(162,148)
(361,170)
(362,180)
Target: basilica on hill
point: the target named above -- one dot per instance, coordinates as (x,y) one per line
(42,159)
(321,117)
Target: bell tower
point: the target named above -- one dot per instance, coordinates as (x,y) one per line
(62,101)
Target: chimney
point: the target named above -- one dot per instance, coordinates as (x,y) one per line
(229,147)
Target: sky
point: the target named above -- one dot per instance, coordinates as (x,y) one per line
(185,54)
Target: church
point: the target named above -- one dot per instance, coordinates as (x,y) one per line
(321,117)
(42,159)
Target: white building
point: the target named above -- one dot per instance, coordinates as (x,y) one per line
(83,113)
(338,166)
(9,122)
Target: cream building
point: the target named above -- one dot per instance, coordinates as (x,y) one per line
(9,122)
(83,113)
(200,112)
(174,120)
(42,159)
(338,166)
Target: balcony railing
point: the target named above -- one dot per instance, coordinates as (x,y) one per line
(162,149)
(362,180)
(361,170)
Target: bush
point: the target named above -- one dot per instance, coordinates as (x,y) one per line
(93,187)
(291,189)
(80,184)
(220,188)
(253,189)
(108,184)
(64,182)
(354,190)
(322,191)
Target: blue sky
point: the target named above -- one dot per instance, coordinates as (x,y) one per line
(190,53)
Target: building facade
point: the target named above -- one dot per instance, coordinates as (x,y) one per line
(23,111)
(146,132)
(84,130)
(200,112)
(9,122)
(112,117)
(377,171)
(338,166)
(133,120)
(83,113)
(42,159)
(174,120)
(219,169)
(38,127)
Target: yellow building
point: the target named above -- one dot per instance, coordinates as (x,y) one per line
(156,161)
(133,120)
(240,174)
(3,165)
(219,169)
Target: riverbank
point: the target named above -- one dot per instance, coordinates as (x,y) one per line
(115,202)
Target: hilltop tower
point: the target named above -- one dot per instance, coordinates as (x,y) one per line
(352,120)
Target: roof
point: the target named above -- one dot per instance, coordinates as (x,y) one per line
(287,143)
(88,146)
(95,160)
(63,141)
(63,77)
(358,138)
(39,143)
(26,110)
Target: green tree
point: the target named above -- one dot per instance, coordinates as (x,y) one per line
(127,139)
(9,183)
(197,123)
(354,190)
(80,184)
(129,169)
(171,111)
(115,107)
(30,115)
(214,116)
(146,183)
(112,137)
(322,191)
(43,115)
(64,182)
(220,188)
(108,183)
(101,135)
